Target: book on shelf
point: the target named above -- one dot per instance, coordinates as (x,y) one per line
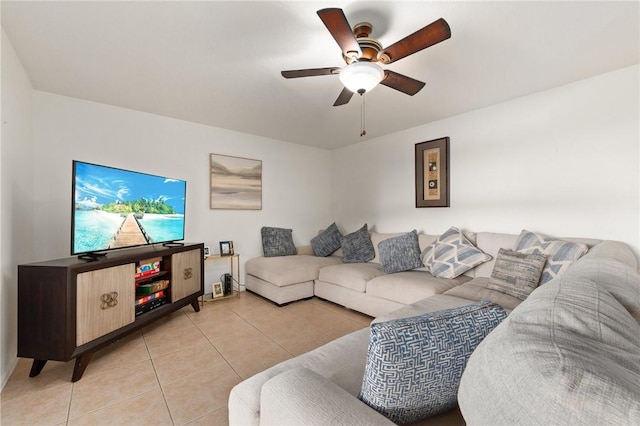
(148,267)
(150,302)
(152,287)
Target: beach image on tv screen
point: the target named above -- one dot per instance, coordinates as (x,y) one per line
(116,208)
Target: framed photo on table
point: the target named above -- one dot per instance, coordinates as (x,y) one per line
(218,290)
(432,173)
(226,248)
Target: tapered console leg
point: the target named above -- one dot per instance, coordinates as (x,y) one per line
(37,366)
(81,364)
(195,305)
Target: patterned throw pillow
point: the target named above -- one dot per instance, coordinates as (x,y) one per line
(357,246)
(414,364)
(560,254)
(515,273)
(327,241)
(451,255)
(400,253)
(277,242)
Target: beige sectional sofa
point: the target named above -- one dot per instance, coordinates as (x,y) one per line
(568,354)
(364,287)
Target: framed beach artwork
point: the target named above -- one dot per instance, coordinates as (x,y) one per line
(236,183)
(432,173)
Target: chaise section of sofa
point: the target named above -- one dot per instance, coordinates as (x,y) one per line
(284,279)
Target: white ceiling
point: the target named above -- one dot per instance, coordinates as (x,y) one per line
(218,63)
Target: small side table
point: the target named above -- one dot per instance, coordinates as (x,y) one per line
(234,271)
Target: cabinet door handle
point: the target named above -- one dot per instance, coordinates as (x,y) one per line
(109,300)
(188,273)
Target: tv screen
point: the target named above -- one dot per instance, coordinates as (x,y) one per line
(115,208)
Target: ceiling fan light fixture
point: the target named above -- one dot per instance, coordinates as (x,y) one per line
(360,77)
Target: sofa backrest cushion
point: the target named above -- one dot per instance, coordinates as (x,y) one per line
(569,354)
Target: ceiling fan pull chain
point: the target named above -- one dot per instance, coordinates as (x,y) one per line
(363,132)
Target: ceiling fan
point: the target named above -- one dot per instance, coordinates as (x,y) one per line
(363,54)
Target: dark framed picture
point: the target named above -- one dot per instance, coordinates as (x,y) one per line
(432,173)
(226,248)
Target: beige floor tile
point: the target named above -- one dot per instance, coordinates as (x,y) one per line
(43,407)
(172,323)
(127,381)
(20,384)
(146,409)
(192,397)
(130,350)
(257,359)
(185,362)
(174,340)
(219,417)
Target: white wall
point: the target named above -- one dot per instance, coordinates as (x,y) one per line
(16,189)
(563,162)
(295,178)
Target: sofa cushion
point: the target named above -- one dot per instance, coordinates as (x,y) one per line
(287,270)
(401,253)
(415,286)
(327,242)
(517,274)
(357,246)
(478,290)
(353,276)
(414,364)
(560,254)
(452,254)
(277,242)
(569,354)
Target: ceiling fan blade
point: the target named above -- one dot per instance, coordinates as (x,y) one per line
(344,97)
(311,72)
(402,83)
(432,34)
(338,26)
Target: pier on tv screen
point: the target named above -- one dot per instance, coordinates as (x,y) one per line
(115,208)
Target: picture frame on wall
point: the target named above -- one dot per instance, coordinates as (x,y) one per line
(226,248)
(432,173)
(236,183)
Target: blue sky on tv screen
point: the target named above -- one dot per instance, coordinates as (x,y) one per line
(96,185)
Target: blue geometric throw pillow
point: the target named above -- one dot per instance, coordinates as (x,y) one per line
(414,365)
(327,241)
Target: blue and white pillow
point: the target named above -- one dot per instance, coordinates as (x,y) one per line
(560,254)
(401,253)
(327,241)
(414,365)
(452,255)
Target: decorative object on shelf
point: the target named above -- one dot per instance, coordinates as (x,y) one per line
(207,252)
(226,248)
(229,282)
(218,290)
(432,173)
(236,183)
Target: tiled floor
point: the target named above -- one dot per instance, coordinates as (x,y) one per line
(180,369)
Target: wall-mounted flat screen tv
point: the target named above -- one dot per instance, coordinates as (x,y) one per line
(114,208)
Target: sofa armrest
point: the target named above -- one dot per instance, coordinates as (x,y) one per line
(303,397)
